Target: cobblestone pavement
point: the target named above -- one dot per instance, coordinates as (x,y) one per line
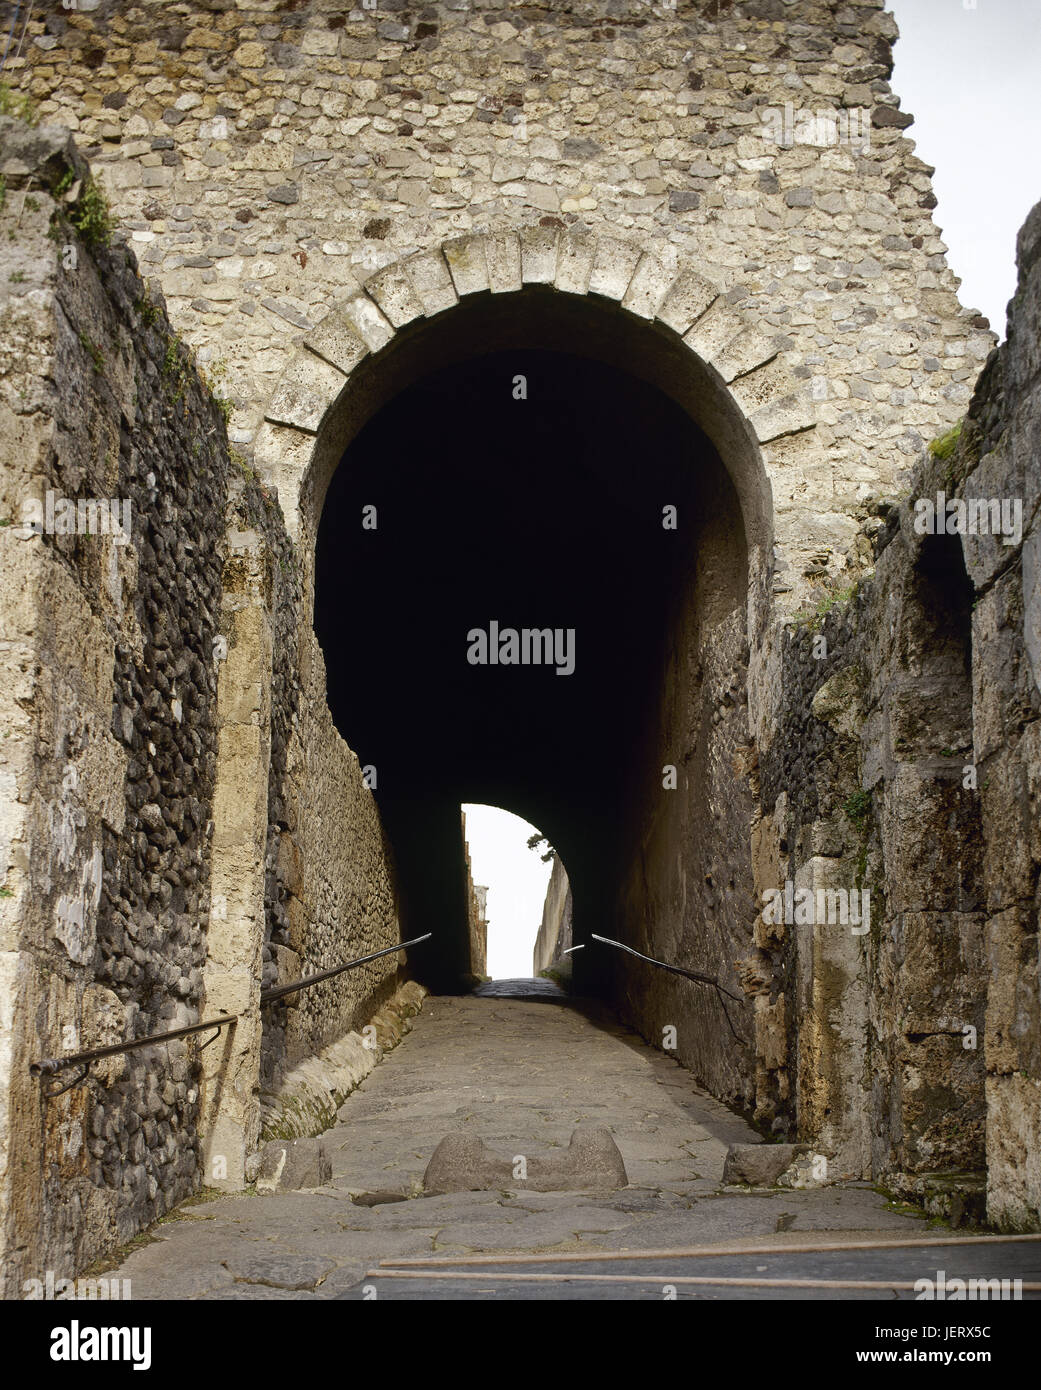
(520,1072)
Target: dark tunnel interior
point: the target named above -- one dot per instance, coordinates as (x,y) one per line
(543,512)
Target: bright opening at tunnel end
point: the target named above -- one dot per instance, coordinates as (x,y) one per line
(516,878)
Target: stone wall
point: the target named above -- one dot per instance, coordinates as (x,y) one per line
(122,853)
(685,881)
(861,1025)
(328,891)
(1005,460)
(554,936)
(271,161)
(331,894)
(687,894)
(476,914)
(110,767)
(905,761)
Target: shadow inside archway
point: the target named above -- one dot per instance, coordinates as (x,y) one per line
(529,491)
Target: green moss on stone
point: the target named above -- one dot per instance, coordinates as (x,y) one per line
(945,444)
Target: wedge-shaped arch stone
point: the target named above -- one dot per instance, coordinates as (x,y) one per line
(432,282)
(503,254)
(392,290)
(338,341)
(613,267)
(364,316)
(689,296)
(575,253)
(539,255)
(748,349)
(765,382)
(648,287)
(717,327)
(788,414)
(308,388)
(467,264)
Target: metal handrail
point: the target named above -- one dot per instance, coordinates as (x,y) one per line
(50,1066)
(694,975)
(268,996)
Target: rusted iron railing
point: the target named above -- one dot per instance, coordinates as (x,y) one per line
(268,996)
(694,975)
(51,1066)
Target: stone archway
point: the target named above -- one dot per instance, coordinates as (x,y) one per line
(637,310)
(726,369)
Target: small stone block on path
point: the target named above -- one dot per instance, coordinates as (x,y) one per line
(464,1163)
(287,1165)
(759,1165)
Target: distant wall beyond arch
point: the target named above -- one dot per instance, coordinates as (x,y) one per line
(554,937)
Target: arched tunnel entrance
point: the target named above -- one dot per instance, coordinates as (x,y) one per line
(534,488)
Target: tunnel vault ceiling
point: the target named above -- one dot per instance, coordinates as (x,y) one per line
(525,488)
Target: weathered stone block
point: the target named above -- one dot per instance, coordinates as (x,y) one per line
(686,300)
(464,1163)
(432,282)
(468,264)
(309,387)
(713,330)
(1014,1152)
(575,253)
(392,290)
(750,348)
(287,1165)
(539,255)
(788,415)
(278,1270)
(338,341)
(648,287)
(613,265)
(364,316)
(759,1165)
(503,254)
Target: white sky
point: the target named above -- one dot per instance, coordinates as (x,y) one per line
(971,77)
(516,879)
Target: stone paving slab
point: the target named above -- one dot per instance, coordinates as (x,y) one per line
(342,1279)
(521,1076)
(541,1231)
(277,1269)
(255,1292)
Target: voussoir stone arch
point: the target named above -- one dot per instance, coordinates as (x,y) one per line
(748,394)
